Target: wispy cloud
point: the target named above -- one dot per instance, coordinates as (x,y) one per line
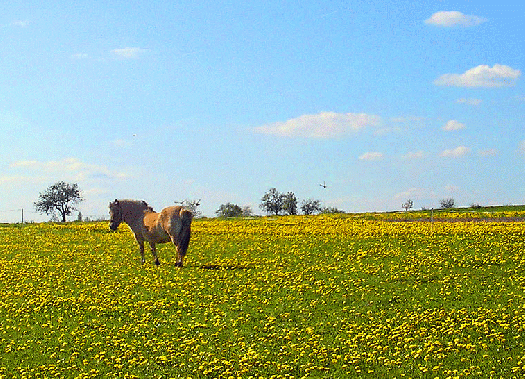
(128,52)
(19,23)
(469,101)
(413,120)
(371,156)
(454,19)
(414,193)
(451,188)
(18,179)
(388,130)
(458,152)
(488,153)
(521,147)
(413,155)
(80,56)
(321,125)
(71,167)
(453,125)
(122,143)
(481,76)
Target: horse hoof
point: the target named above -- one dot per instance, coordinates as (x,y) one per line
(157,263)
(178,264)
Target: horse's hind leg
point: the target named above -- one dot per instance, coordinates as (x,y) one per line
(180,254)
(180,259)
(154,253)
(141,247)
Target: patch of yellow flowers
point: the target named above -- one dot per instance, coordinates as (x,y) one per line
(287,297)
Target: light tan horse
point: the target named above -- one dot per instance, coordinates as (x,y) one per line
(171,224)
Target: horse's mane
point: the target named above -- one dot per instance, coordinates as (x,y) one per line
(134,208)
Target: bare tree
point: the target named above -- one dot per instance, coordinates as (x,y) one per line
(408,205)
(247,211)
(61,197)
(192,206)
(447,203)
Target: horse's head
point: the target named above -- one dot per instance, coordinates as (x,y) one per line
(115,215)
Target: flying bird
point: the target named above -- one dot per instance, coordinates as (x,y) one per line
(323,185)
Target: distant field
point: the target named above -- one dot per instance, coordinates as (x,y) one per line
(304,296)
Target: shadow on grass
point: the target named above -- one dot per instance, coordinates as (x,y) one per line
(225,267)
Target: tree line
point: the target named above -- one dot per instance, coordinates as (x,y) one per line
(276,203)
(62,198)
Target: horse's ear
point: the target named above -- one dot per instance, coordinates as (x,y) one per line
(116,201)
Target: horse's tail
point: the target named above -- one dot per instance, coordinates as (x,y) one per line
(183,238)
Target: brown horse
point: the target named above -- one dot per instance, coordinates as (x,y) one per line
(171,224)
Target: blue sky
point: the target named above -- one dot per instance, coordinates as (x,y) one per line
(223,100)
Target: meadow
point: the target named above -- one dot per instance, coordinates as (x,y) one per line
(329,296)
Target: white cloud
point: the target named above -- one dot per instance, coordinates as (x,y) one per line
(321,125)
(453,125)
(128,52)
(481,76)
(454,18)
(73,168)
(469,101)
(414,155)
(456,153)
(371,156)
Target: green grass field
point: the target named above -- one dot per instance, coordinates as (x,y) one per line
(319,296)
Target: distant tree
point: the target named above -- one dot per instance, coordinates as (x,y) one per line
(408,205)
(61,197)
(331,210)
(272,202)
(229,210)
(311,206)
(290,203)
(447,203)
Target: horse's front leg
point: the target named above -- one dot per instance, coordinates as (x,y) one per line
(154,252)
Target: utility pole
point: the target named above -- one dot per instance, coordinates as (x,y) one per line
(22,215)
